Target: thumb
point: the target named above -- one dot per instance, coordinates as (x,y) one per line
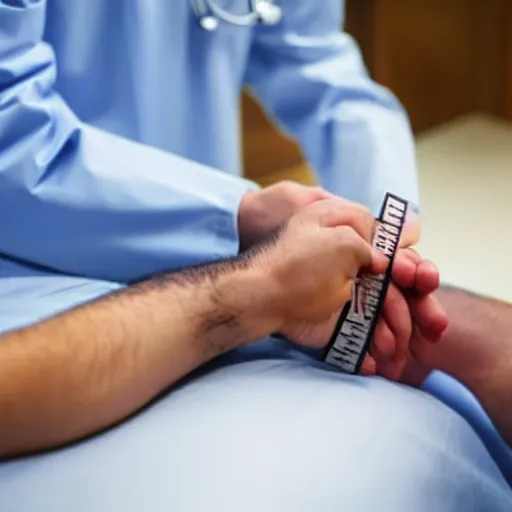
(379,263)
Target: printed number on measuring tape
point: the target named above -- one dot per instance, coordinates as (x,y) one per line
(358,320)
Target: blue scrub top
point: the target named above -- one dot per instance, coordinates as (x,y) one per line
(119,157)
(114,117)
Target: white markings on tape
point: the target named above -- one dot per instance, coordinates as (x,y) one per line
(359,319)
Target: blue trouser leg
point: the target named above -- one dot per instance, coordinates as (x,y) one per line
(274,433)
(461,400)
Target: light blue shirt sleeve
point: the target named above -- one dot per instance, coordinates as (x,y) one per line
(82,201)
(312,79)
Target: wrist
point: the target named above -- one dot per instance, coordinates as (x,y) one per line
(466,350)
(240,305)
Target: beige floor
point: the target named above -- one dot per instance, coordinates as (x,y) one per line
(466,184)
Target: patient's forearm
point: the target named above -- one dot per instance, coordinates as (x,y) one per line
(477,350)
(86,369)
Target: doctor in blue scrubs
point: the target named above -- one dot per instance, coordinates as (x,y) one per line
(119,149)
(119,158)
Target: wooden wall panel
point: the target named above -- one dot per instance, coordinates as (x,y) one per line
(360,16)
(423,51)
(489,48)
(507,92)
(442,58)
(268,156)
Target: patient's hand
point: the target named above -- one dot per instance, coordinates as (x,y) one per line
(409,306)
(411,230)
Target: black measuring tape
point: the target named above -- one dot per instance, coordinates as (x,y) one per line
(355,328)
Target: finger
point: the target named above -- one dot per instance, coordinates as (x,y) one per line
(412,254)
(322,193)
(422,351)
(410,271)
(369,366)
(404,269)
(429,334)
(392,369)
(334,212)
(399,367)
(411,230)
(414,373)
(379,262)
(398,317)
(383,345)
(354,251)
(427,277)
(428,315)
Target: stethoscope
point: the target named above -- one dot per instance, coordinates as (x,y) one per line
(210,14)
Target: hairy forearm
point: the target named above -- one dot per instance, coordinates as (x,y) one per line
(88,368)
(477,350)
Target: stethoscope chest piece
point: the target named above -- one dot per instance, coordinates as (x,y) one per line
(209,23)
(210,14)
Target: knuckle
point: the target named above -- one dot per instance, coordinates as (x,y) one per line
(361,212)
(351,215)
(351,241)
(353,238)
(316,210)
(288,186)
(347,235)
(307,214)
(366,215)
(318,192)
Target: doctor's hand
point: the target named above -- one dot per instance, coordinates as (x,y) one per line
(313,263)
(310,264)
(264,211)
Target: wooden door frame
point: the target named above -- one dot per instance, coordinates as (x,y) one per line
(507,103)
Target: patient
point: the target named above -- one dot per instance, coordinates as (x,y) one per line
(264,425)
(476,349)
